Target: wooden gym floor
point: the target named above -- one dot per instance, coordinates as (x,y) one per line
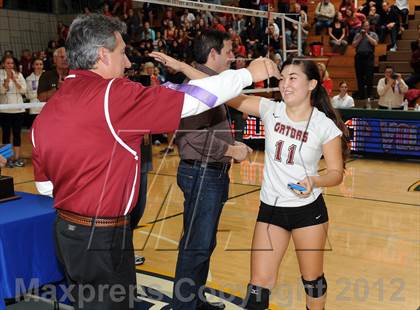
(373,249)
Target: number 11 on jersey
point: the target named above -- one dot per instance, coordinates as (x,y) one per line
(290,154)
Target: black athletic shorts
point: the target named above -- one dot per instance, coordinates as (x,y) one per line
(291,218)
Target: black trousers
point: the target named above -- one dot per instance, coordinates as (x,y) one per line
(99,265)
(364,63)
(14,122)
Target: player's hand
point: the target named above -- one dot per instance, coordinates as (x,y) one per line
(167,60)
(263,68)
(306,183)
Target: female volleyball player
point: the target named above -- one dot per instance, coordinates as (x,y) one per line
(299,130)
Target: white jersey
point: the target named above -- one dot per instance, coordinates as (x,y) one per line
(283,163)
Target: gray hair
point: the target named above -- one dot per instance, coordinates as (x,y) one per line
(88,33)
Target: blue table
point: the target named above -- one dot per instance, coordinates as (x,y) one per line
(27,253)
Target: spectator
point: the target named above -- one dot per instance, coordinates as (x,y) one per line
(170,33)
(303,4)
(239,24)
(51,80)
(237,47)
(342,100)
(337,33)
(253,34)
(414,78)
(26,63)
(292,31)
(62,32)
(9,53)
(401,7)
(374,19)
(32,86)
(217,25)
(106,10)
(324,15)
(133,21)
(12,87)
(187,16)
(389,24)
(345,5)
(148,33)
(391,90)
(325,78)
(122,7)
(354,23)
(365,42)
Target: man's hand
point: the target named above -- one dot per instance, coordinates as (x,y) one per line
(239,151)
(3,161)
(167,61)
(263,68)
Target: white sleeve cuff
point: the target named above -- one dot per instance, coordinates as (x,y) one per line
(45,188)
(225,86)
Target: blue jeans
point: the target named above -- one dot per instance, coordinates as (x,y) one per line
(205,192)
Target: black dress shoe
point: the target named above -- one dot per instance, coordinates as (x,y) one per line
(211,306)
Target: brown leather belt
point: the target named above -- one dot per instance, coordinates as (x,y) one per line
(89,221)
(224,167)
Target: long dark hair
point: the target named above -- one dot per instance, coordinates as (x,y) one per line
(320,99)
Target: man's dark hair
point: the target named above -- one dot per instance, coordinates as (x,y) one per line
(206,41)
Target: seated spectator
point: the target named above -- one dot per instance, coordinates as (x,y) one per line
(354,23)
(346,4)
(414,78)
(391,90)
(216,24)
(303,4)
(237,47)
(148,33)
(32,86)
(253,33)
(401,7)
(343,100)
(373,19)
(187,16)
(239,24)
(325,77)
(337,33)
(389,24)
(324,15)
(106,10)
(121,7)
(171,32)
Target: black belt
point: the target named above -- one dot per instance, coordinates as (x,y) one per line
(224,167)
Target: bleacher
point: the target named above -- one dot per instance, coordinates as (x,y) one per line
(341,67)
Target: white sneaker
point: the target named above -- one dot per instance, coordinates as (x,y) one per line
(393,49)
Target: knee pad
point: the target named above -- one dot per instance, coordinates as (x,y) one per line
(257,297)
(315,288)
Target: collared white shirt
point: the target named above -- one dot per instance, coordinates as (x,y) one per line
(345,102)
